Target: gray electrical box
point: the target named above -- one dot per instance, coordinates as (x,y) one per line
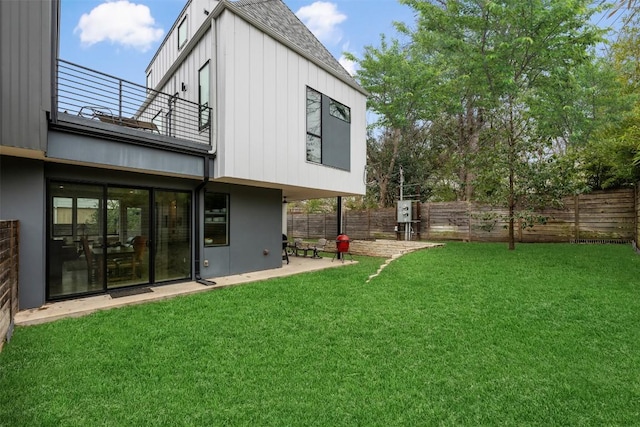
(404,210)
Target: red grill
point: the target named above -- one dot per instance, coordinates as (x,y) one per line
(342,243)
(342,247)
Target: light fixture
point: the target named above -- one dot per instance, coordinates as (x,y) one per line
(284,200)
(206,12)
(184,87)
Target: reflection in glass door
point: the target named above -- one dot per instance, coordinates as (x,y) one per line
(128,231)
(103,237)
(172,243)
(75,236)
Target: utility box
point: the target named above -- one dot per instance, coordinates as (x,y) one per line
(404,210)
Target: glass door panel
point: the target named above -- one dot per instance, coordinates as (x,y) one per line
(172,243)
(75,234)
(126,252)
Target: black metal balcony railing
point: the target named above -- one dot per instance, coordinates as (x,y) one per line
(98,96)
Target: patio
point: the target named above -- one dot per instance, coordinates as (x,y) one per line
(82,306)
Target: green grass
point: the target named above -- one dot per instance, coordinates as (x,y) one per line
(468,334)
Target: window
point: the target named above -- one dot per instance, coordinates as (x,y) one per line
(328,131)
(182,33)
(203,96)
(216,219)
(339,111)
(314,126)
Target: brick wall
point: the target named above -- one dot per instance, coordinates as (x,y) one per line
(9,237)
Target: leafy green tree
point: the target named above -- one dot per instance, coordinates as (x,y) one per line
(495,60)
(398,85)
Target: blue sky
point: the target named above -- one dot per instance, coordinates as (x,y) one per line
(120,37)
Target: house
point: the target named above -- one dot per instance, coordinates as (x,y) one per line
(118,185)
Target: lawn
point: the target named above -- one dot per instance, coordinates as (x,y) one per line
(468,334)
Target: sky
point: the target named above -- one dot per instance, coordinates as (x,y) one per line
(120,37)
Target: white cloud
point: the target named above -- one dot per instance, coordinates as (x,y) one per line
(348,65)
(120,22)
(323,19)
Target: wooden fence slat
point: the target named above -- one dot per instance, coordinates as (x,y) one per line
(602,215)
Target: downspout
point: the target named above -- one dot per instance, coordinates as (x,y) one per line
(339,222)
(196,226)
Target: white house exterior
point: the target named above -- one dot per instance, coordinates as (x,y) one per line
(261,59)
(120,186)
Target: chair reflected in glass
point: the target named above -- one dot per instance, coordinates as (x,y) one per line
(133,266)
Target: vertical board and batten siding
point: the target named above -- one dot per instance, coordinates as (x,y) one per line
(187,72)
(263,133)
(25,55)
(600,216)
(168,53)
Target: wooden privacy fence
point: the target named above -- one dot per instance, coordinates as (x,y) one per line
(599,216)
(9,235)
(637,217)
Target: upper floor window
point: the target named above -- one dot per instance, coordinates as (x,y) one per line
(339,111)
(314,128)
(149,81)
(203,96)
(328,131)
(182,33)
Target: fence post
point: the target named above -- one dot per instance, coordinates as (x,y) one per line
(428,228)
(469,221)
(636,218)
(576,204)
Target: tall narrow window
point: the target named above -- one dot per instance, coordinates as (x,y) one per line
(182,33)
(148,81)
(314,128)
(203,96)
(216,219)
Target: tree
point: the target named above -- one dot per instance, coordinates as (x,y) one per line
(495,60)
(398,86)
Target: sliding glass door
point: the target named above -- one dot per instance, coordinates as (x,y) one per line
(172,259)
(104,237)
(75,229)
(128,231)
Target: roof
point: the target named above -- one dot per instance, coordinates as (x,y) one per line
(278,21)
(275,15)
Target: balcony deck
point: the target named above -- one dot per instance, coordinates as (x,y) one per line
(115,108)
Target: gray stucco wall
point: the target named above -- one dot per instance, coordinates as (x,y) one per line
(255,216)
(22,197)
(86,149)
(255,219)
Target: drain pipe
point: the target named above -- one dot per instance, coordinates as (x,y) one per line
(196,227)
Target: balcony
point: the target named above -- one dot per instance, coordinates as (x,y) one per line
(101,104)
